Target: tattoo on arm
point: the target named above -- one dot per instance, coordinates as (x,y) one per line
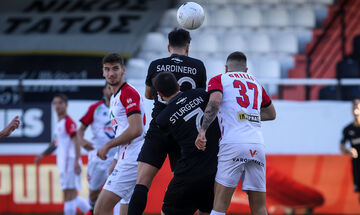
(211,110)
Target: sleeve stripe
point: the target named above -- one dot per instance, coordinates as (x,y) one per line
(133,112)
(266,105)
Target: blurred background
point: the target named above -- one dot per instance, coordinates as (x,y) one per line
(305,52)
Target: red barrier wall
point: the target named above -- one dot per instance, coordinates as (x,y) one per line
(294,181)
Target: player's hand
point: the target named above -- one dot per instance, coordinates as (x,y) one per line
(200,141)
(38,158)
(77,167)
(87,146)
(353,152)
(14,124)
(102,152)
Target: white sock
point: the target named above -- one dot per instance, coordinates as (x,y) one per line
(82,204)
(216,213)
(117,208)
(70,207)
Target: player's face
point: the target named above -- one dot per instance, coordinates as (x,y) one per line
(107,91)
(59,106)
(113,73)
(356,108)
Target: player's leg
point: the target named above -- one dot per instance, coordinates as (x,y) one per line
(257,202)
(205,198)
(150,160)
(97,174)
(70,201)
(124,209)
(222,198)
(106,202)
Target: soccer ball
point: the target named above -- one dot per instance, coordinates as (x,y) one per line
(190,15)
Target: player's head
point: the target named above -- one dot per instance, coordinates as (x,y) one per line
(236,61)
(113,69)
(356,107)
(165,83)
(60,102)
(107,91)
(179,41)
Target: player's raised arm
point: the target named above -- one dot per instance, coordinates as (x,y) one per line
(47,151)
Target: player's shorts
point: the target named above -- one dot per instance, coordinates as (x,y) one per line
(68,178)
(157,146)
(356,174)
(123,178)
(184,196)
(98,171)
(245,162)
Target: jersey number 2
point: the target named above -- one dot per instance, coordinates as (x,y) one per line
(199,114)
(243,101)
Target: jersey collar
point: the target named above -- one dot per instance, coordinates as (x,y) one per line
(175,97)
(120,88)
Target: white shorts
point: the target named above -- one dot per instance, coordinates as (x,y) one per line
(98,172)
(70,180)
(245,162)
(123,179)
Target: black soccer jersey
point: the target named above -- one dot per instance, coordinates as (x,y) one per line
(182,118)
(189,72)
(352,133)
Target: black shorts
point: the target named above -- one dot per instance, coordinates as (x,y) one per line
(356,174)
(157,146)
(184,196)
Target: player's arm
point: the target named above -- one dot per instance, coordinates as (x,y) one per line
(50,149)
(133,131)
(82,141)
(268,113)
(148,92)
(76,142)
(14,124)
(211,111)
(352,151)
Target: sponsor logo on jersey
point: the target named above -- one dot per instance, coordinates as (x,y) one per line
(351,132)
(250,117)
(176,60)
(130,105)
(181,100)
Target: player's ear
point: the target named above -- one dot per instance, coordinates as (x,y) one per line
(169,48)
(246,69)
(187,48)
(178,86)
(160,94)
(226,69)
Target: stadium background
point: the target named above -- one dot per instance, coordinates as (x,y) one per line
(305,52)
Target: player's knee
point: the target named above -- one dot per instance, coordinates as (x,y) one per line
(93,195)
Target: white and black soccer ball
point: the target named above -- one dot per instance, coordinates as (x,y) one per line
(190,15)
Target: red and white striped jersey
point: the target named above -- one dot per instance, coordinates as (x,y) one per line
(239,113)
(124,103)
(65,129)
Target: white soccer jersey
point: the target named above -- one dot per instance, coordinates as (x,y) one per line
(98,118)
(65,129)
(125,102)
(239,113)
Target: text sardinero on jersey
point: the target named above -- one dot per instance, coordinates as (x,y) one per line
(176,68)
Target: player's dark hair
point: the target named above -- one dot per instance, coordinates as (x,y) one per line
(356,100)
(237,60)
(62,97)
(165,83)
(179,38)
(113,58)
